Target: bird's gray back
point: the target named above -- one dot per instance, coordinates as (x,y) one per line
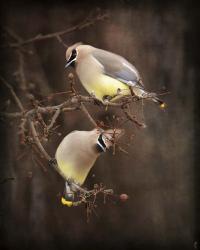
(117,67)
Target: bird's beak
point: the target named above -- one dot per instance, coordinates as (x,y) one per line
(68,64)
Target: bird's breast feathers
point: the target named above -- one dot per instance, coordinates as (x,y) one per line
(75,160)
(77,173)
(76,167)
(97,83)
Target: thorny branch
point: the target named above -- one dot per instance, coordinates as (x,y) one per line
(89,199)
(74,102)
(33,128)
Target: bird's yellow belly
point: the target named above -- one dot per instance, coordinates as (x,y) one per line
(76,172)
(103,85)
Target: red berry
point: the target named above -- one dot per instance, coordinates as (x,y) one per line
(123,197)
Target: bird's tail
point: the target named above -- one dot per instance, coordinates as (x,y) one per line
(154,98)
(159,101)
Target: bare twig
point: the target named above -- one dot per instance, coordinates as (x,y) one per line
(122,149)
(37,141)
(40,119)
(65,106)
(18,39)
(11,115)
(40,164)
(33,134)
(70,109)
(89,198)
(60,40)
(6,179)
(21,70)
(13,34)
(72,83)
(132,118)
(82,25)
(84,109)
(22,130)
(53,120)
(85,196)
(17,100)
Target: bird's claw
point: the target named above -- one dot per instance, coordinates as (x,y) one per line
(52,161)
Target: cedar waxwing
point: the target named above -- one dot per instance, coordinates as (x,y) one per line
(78,152)
(106,75)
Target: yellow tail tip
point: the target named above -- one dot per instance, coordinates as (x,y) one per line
(66,203)
(163,105)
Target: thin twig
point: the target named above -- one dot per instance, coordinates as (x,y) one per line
(70,109)
(11,115)
(40,119)
(37,141)
(40,164)
(53,120)
(17,100)
(61,41)
(18,39)
(22,130)
(6,179)
(21,70)
(79,26)
(64,107)
(84,109)
(132,118)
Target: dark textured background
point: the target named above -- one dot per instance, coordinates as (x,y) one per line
(160,174)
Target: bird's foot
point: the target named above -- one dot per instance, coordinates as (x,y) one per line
(52,161)
(98,102)
(107,98)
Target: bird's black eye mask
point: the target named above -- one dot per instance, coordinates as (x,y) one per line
(72,59)
(73,55)
(101,146)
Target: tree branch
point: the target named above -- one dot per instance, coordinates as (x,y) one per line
(84,109)
(53,120)
(33,128)
(37,141)
(21,70)
(16,99)
(82,25)
(132,118)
